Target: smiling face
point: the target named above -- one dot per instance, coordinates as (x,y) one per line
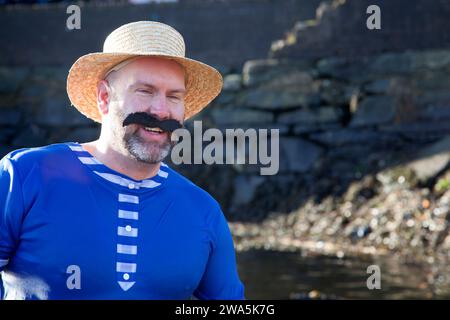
(151,85)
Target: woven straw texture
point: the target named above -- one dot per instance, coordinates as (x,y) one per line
(142,38)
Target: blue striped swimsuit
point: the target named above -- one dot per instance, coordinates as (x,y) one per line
(72,228)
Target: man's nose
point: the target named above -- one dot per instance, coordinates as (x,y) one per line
(160,108)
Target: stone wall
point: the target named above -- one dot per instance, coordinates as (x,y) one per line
(340,29)
(339,119)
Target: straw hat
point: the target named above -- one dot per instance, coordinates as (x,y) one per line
(142,38)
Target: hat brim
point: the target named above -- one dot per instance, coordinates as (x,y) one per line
(203,82)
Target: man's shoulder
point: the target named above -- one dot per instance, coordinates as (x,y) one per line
(28,157)
(187,189)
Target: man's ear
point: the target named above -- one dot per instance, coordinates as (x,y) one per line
(103,96)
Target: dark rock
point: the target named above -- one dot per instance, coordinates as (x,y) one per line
(350,152)
(392,63)
(280,86)
(407,63)
(223,69)
(282,129)
(345,137)
(433,105)
(232,82)
(301,129)
(256,72)
(414,130)
(277,159)
(431,80)
(435,113)
(334,92)
(298,155)
(301,80)
(234,116)
(430,59)
(278,99)
(342,69)
(310,116)
(383,66)
(374,110)
(380,86)
(431,160)
(225,98)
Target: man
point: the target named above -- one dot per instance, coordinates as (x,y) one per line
(108,219)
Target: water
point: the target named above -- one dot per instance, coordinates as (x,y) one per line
(288,275)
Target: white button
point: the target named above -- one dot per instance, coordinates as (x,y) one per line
(131,186)
(126,276)
(128,228)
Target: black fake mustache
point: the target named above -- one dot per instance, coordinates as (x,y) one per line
(146,120)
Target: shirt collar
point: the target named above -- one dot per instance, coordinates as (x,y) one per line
(115,177)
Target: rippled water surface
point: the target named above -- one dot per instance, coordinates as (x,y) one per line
(288,275)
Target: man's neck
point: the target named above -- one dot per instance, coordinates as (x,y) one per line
(118,162)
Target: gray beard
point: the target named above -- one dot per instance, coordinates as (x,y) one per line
(148,152)
(138,148)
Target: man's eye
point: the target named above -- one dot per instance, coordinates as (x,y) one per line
(174,98)
(144,91)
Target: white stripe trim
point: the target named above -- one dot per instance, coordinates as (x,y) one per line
(163,174)
(89,160)
(114,178)
(164,165)
(126,267)
(76,148)
(125,285)
(3,262)
(128,198)
(149,184)
(126,182)
(132,215)
(121,231)
(126,249)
